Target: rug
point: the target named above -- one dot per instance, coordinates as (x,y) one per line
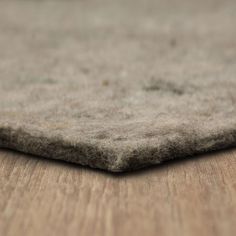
(117,85)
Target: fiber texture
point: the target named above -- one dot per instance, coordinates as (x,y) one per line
(117,85)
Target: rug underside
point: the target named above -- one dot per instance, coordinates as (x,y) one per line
(117,85)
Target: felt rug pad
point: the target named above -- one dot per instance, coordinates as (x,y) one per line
(117,85)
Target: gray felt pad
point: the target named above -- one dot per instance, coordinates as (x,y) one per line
(117,85)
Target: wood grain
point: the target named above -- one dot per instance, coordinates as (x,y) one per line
(188,197)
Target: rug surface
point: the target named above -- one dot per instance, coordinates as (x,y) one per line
(117,85)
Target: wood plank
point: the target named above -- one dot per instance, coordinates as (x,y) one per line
(188,197)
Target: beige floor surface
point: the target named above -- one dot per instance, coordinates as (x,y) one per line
(187,197)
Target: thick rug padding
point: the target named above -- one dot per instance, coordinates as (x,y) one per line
(117,85)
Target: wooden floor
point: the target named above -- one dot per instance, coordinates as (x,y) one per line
(187,197)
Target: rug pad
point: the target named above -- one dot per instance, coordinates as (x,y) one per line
(117,85)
